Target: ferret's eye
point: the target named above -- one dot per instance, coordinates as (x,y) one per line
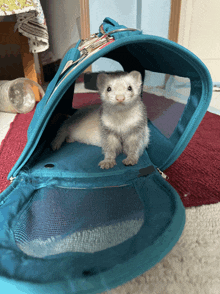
(109,89)
(129,88)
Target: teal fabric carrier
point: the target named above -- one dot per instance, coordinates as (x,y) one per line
(68,226)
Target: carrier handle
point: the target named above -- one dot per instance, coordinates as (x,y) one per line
(122,30)
(86,47)
(100,41)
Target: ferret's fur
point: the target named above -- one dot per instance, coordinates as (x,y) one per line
(118,125)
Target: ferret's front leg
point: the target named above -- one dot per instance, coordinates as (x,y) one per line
(133,148)
(111,146)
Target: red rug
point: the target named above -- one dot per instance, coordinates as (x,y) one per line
(195,174)
(13,145)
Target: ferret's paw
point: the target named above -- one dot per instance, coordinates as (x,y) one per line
(130,161)
(107,163)
(69,140)
(55,144)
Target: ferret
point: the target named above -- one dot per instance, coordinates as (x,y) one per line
(118,125)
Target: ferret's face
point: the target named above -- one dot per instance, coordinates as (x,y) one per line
(120,89)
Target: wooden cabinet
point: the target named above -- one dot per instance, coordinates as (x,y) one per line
(9,37)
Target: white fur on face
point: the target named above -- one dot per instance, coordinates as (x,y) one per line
(113,86)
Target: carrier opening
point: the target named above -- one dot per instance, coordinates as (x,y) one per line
(164,94)
(165,97)
(150,57)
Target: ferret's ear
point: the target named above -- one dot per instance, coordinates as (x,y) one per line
(101,80)
(136,75)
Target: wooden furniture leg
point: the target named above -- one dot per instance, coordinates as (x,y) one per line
(8,36)
(85,23)
(29,65)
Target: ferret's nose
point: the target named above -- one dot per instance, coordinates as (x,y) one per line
(120,98)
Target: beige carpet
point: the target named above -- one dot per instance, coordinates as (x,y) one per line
(193,265)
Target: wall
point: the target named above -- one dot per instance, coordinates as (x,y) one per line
(125,14)
(199,32)
(155,21)
(151,18)
(63,21)
(155,16)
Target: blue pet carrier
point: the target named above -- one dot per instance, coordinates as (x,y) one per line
(68,226)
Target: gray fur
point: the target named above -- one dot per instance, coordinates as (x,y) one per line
(118,125)
(123,124)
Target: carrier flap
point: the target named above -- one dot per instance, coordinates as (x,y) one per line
(98,237)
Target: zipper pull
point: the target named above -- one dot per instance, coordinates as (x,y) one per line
(12,179)
(68,64)
(164,176)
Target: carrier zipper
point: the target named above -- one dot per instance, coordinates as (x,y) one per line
(74,188)
(144,172)
(164,176)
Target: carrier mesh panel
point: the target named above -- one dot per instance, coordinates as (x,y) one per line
(165,97)
(59,220)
